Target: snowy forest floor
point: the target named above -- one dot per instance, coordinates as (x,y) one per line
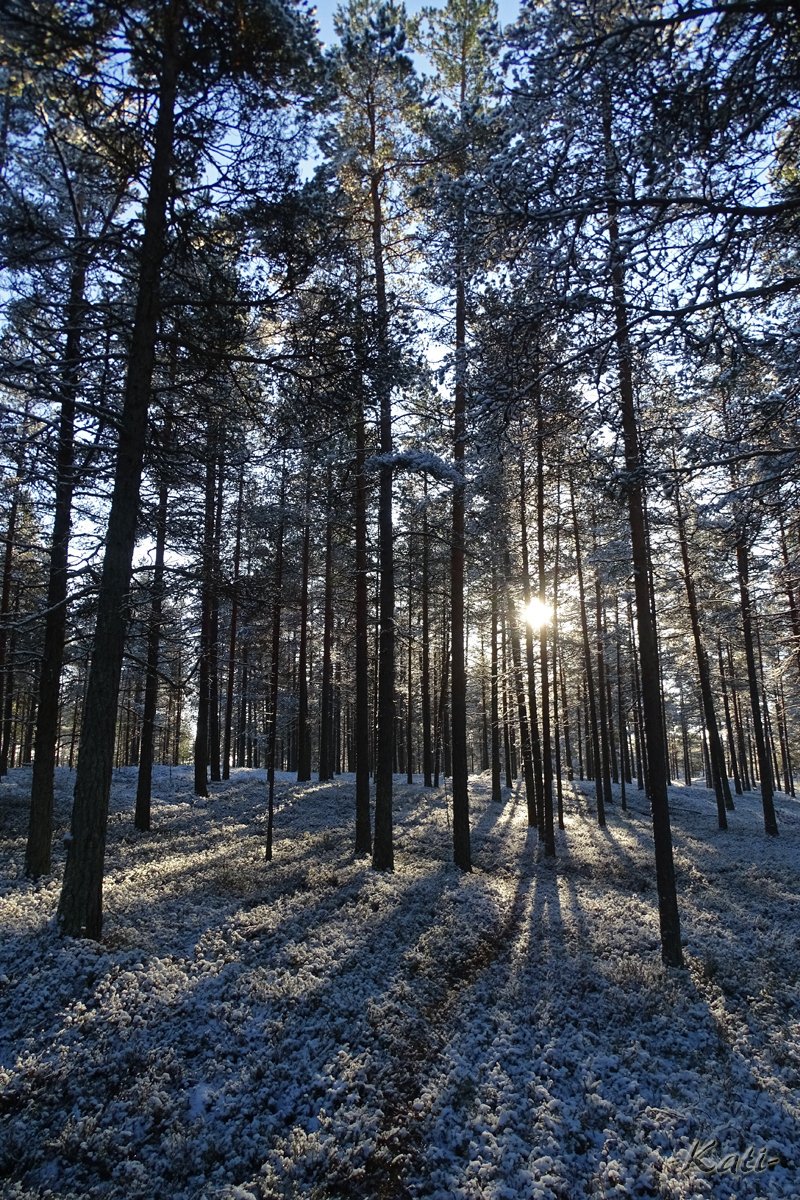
(308,1028)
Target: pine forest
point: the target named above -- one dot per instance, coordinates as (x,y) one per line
(399,599)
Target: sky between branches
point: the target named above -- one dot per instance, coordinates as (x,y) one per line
(507,12)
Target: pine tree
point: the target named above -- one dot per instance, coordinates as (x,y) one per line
(374,81)
(194,53)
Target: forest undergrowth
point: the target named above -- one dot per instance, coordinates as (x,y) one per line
(312,1028)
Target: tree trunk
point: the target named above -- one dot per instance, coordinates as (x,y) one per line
(28,729)
(535,743)
(336,738)
(762,753)
(444,717)
(579,725)
(768,734)
(303,727)
(669,919)
(638,721)
(425,666)
(593,733)
(603,716)
(462,855)
(80,911)
(8,741)
(144,779)
(326,714)
(243,758)
(233,632)
(687,762)
(719,775)
(623,736)
(508,737)
(565,721)
(274,670)
(497,793)
(176,754)
(214,760)
(737,783)
(654,621)
(744,758)
(519,688)
(363,818)
(409,667)
(612,745)
(6,653)
(546,817)
(556,663)
(383,842)
(440,756)
(784,732)
(485,759)
(203,727)
(791,595)
(40,829)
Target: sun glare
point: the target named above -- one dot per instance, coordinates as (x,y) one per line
(537,614)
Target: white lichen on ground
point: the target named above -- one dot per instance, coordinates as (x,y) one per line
(309,1028)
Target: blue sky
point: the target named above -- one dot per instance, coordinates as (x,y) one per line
(507,9)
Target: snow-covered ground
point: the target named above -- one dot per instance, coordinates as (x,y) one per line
(308,1028)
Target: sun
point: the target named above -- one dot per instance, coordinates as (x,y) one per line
(537,613)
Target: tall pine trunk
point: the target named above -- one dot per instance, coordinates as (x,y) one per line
(6,626)
(535,743)
(410,665)
(497,793)
(425,679)
(638,722)
(383,841)
(80,910)
(508,727)
(789,581)
(557,718)
(233,631)
(741,741)
(546,816)
(462,855)
(623,734)
(144,780)
(565,721)
(669,919)
(326,697)
(732,755)
(519,689)
(762,751)
(303,727)
(363,818)
(214,759)
(716,753)
(203,726)
(603,716)
(786,756)
(593,733)
(40,829)
(275,662)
